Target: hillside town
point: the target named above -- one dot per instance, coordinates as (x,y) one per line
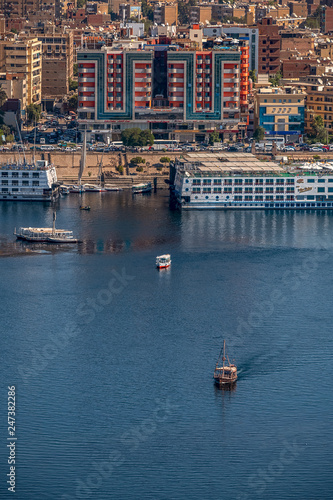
(188,72)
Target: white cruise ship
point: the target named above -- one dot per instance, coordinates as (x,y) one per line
(241,181)
(24,182)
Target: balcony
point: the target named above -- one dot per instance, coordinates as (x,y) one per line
(207,80)
(119,80)
(199,99)
(85,80)
(110,79)
(207,89)
(119,99)
(119,70)
(199,71)
(199,79)
(199,89)
(110,89)
(207,71)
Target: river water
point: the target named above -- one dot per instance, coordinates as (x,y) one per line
(113,360)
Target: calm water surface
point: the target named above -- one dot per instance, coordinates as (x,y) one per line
(113,360)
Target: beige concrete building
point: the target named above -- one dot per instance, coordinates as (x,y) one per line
(18,8)
(23,56)
(200,14)
(58,62)
(279,110)
(15,87)
(166,14)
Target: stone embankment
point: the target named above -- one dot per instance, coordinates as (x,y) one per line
(67,165)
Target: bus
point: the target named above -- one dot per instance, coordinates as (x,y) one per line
(164,144)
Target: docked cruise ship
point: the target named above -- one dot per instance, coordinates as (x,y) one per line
(241,181)
(28,182)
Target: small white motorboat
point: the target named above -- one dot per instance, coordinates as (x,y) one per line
(163,261)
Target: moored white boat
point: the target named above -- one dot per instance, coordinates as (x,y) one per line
(76,189)
(45,234)
(92,188)
(142,188)
(163,261)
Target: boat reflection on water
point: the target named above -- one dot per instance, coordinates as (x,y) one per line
(226,388)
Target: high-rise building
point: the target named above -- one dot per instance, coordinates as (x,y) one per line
(174,93)
(58,62)
(23,56)
(269,46)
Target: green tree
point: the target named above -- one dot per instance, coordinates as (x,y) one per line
(275,79)
(75,70)
(165,159)
(259,134)
(252,75)
(214,137)
(3,96)
(147,10)
(33,113)
(137,137)
(73,85)
(72,102)
(81,3)
(137,160)
(318,127)
(10,138)
(184,10)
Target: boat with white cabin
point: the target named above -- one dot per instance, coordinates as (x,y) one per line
(163,261)
(142,188)
(45,234)
(21,181)
(240,181)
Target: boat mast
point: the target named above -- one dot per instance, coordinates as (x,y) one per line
(54,219)
(83,157)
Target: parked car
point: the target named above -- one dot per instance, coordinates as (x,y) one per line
(316,149)
(289,148)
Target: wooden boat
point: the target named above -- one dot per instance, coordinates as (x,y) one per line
(84,207)
(226,374)
(45,234)
(163,261)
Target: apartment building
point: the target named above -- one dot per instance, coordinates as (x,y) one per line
(280,111)
(240,33)
(319,103)
(200,14)
(23,56)
(174,93)
(58,62)
(18,8)
(15,86)
(166,14)
(269,46)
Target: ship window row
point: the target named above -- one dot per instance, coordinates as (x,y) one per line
(16,183)
(35,175)
(322,190)
(311,181)
(238,182)
(240,190)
